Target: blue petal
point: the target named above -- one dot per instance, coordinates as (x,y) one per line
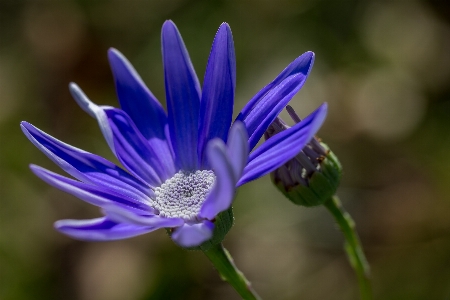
(192,235)
(124,135)
(136,99)
(121,215)
(270,106)
(94,111)
(100,229)
(265,106)
(183,97)
(141,105)
(283,146)
(95,195)
(83,165)
(237,148)
(216,106)
(140,157)
(223,190)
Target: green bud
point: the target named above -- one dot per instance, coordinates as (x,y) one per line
(312,176)
(315,189)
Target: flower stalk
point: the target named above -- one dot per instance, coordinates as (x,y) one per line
(352,246)
(223,262)
(311,178)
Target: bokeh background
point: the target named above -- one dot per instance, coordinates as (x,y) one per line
(384,69)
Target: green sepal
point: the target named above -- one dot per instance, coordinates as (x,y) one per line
(222,225)
(321,186)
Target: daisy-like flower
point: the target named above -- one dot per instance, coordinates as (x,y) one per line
(183,166)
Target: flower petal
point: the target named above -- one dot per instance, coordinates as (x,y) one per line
(116,133)
(135,153)
(122,215)
(83,165)
(183,97)
(223,190)
(136,99)
(301,64)
(192,235)
(94,111)
(265,106)
(270,106)
(216,106)
(283,146)
(95,195)
(100,229)
(141,105)
(237,148)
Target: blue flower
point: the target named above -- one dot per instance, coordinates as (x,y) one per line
(183,166)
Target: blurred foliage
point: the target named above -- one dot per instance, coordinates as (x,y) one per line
(384,69)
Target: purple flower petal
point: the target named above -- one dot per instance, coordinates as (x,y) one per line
(116,136)
(95,195)
(100,229)
(237,148)
(216,106)
(301,64)
(141,105)
(95,111)
(283,146)
(192,235)
(83,165)
(222,193)
(136,99)
(140,157)
(122,215)
(183,97)
(270,106)
(265,106)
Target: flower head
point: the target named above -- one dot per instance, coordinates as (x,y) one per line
(182,166)
(312,176)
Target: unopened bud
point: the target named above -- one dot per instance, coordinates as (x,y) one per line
(312,176)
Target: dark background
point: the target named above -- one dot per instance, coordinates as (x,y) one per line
(384,69)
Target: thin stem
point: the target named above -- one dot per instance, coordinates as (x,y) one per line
(224,263)
(353,246)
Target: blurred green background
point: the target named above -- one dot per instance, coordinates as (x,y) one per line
(384,69)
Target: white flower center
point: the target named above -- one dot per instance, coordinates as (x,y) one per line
(182,195)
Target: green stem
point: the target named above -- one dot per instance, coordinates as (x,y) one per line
(224,263)
(352,246)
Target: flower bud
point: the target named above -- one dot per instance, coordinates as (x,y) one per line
(312,176)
